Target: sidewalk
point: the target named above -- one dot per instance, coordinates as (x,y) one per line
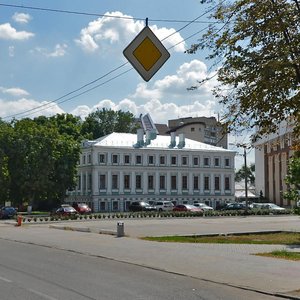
(225,264)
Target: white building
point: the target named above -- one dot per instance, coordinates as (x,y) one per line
(119,168)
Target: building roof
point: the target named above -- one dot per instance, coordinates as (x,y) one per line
(128,140)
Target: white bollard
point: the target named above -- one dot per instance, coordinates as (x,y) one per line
(120,229)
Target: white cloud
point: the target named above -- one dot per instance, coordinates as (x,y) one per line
(8,108)
(17,92)
(21,18)
(174,87)
(59,51)
(7,32)
(106,31)
(160,112)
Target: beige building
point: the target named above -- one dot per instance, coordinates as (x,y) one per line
(272,154)
(201,129)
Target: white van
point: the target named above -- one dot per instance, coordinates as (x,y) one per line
(164,205)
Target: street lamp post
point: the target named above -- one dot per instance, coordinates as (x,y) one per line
(246,177)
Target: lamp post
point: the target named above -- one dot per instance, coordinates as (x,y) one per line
(246,172)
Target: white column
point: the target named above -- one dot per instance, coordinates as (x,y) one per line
(145,183)
(212,184)
(132,182)
(156,183)
(95,182)
(168,183)
(81,183)
(222,179)
(121,187)
(179,183)
(201,187)
(190,182)
(109,182)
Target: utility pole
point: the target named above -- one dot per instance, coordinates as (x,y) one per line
(246,176)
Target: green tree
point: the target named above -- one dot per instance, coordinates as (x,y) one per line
(293,178)
(257,45)
(106,121)
(242,172)
(41,163)
(5,134)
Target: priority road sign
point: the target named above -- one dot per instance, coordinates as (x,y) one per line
(146,53)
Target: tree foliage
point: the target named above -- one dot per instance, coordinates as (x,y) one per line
(242,172)
(293,178)
(38,163)
(257,44)
(106,121)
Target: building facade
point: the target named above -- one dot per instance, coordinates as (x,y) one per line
(272,154)
(120,168)
(201,129)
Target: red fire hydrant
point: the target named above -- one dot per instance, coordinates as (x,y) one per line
(19,220)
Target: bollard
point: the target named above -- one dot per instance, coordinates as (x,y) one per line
(120,229)
(19,220)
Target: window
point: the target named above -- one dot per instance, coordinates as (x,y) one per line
(162,160)
(217,183)
(217,161)
(173,182)
(206,183)
(102,182)
(196,161)
(227,183)
(184,182)
(115,181)
(227,162)
(84,182)
(126,159)
(101,158)
(83,159)
(173,160)
(184,160)
(138,181)
(150,159)
(196,183)
(115,159)
(192,129)
(206,161)
(89,158)
(126,181)
(150,182)
(162,182)
(138,160)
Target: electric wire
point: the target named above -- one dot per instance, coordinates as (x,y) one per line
(69,93)
(57,100)
(100,15)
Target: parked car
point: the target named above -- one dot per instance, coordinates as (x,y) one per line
(235,206)
(203,206)
(7,212)
(164,205)
(82,208)
(187,207)
(272,206)
(141,206)
(66,210)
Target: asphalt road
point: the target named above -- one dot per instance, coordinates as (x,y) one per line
(35,272)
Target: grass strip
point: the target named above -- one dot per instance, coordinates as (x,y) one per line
(282,238)
(283,254)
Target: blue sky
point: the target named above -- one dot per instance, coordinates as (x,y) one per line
(45,55)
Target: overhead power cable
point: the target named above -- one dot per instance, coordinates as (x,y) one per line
(68,94)
(59,100)
(53,10)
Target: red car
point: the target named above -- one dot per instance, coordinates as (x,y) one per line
(82,208)
(187,207)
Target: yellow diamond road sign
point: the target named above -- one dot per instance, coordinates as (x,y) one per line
(146,53)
